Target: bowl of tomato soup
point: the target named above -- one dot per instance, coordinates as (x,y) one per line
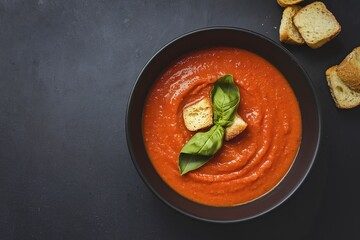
(251,173)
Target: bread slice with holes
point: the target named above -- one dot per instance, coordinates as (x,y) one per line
(316,24)
(343,96)
(288,32)
(198,115)
(236,128)
(349,69)
(285,3)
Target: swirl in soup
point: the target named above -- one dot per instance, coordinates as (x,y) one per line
(251,164)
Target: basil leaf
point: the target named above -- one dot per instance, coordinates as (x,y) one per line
(190,162)
(225,97)
(204,145)
(200,149)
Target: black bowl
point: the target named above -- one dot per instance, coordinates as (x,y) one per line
(285,62)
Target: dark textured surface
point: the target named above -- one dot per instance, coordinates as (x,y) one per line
(66,70)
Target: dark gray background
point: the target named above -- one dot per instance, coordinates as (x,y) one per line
(66,70)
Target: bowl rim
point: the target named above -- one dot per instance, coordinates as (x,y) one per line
(298,183)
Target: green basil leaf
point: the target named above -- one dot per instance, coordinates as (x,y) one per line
(225,97)
(190,162)
(200,149)
(204,145)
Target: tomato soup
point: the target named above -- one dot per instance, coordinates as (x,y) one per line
(251,164)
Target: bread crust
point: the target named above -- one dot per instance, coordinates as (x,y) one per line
(285,3)
(349,69)
(288,32)
(328,79)
(338,89)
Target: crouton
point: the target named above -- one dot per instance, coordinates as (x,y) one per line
(285,3)
(199,115)
(288,32)
(343,96)
(236,128)
(349,70)
(316,24)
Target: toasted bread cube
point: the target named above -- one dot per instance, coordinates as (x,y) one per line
(198,115)
(236,128)
(343,96)
(316,24)
(288,32)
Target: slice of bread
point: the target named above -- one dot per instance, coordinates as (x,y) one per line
(316,24)
(288,32)
(343,96)
(198,115)
(285,3)
(349,69)
(236,128)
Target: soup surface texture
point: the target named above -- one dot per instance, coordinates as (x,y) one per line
(249,165)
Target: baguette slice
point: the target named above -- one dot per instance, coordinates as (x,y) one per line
(343,96)
(236,128)
(349,69)
(285,3)
(316,24)
(288,32)
(198,115)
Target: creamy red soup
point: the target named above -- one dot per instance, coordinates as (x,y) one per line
(251,164)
